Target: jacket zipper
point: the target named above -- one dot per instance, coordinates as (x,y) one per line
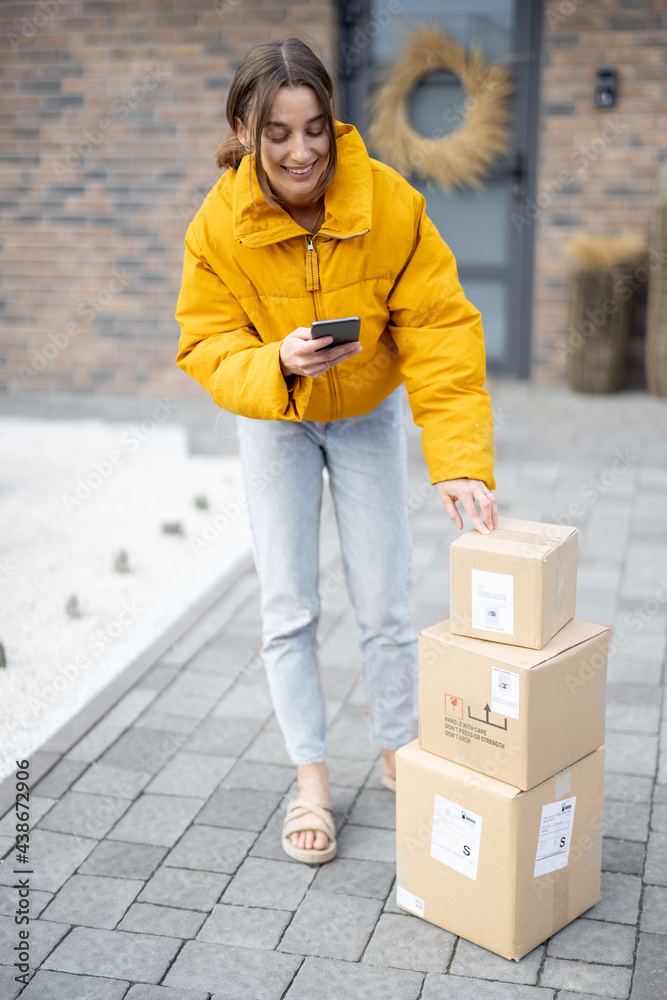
(313,285)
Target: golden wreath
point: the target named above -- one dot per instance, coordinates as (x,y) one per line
(463,157)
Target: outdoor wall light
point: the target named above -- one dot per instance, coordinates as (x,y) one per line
(606,87)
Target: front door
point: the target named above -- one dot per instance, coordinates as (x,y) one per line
(486,230)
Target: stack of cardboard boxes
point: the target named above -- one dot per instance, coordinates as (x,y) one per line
(499,801)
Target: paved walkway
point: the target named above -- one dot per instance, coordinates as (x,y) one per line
(157,870)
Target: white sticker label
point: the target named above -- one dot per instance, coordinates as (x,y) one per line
(457,833)
(553,845)
(409,901)
(493,601)
(505,692)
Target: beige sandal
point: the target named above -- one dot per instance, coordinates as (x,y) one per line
(388,782)
(295,823)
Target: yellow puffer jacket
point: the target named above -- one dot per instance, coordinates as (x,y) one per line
(251,275)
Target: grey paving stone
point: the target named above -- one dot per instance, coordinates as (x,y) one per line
(9,899)
(240,808)
(276,885)
(609,981)
(84,815)
(269,842)
(140,991)
(246,926)
(355,878)
(263,777)
(194,706)
(327,979)
(9,988)
(627,788)
(654,910)
(121,782)
(626,820)
(350,771)
(437,987)
(129,706)
(226,737)
(268,747)
(349,734)
(659,818)
(56,781)
(39,807)
(391,905)
(594,941)
(248,699)
(44,936)
(158,677)
(210,848)
(651,968)
(59,855)
(655,872)
(331,925)
(121,859)
(63,986)
(474,962)
(92,900)
(143,750)
(648,672)
(620,899)
(366,843)
(227,655)
(374,808)
(114,954)
(405,942)
(190,890)
(191,774)
(165,920)
(182,724)
(204,685)
(6,844)
(632,718)
(631,754)
(622,856)
(95,742)
(233,973)
(156,819)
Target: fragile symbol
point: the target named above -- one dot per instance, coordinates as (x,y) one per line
(486,720)
(453,706)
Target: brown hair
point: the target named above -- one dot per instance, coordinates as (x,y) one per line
(284,62)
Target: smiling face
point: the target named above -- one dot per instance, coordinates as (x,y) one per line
(295,145)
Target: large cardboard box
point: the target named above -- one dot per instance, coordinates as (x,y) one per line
(499,866)
(517,585)
(514,713)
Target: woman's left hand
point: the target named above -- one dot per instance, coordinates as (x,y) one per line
(468,491)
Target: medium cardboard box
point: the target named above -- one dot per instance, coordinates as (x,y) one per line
(516,714)
(517,585)
(499,866)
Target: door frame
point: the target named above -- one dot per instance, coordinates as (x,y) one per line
(355,31)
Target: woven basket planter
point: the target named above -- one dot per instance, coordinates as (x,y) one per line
(599,322)
(656,312)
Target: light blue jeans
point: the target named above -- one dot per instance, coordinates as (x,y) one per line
(366,459)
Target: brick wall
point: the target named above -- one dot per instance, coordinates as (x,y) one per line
(598,170)
(107,143)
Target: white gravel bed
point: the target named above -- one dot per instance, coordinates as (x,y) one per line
(73,493)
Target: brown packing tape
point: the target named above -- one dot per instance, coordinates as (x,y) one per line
(529,537)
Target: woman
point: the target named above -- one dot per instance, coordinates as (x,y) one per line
(304,225)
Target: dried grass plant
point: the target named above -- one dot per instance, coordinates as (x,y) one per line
(594,252)
(463,157)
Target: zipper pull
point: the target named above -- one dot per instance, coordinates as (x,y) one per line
(312,269)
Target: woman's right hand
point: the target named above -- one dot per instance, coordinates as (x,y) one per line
(298,353)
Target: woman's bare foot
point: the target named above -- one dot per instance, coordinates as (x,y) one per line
(389,758)
(313,781)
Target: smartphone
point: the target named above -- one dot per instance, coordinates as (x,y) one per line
(343,331)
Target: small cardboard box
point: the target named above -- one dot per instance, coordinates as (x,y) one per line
(499,866)
(514,713)
(518,584)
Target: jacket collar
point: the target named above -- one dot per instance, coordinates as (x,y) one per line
(348,200)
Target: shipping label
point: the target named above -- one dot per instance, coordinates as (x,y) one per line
(553,845)
(493,601)
(457,833)
(505,692)
(409,901)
